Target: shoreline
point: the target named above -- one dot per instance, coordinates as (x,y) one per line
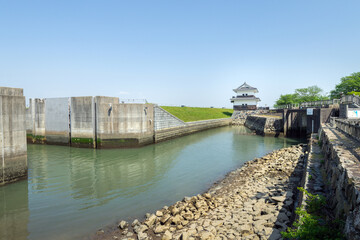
(248,203)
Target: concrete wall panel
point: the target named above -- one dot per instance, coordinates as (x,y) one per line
(13,151)
(38,115)
(82,121)
(124,125)
(29,121)
(57,120)
(5,91)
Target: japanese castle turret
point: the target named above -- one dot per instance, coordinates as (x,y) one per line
(245,98)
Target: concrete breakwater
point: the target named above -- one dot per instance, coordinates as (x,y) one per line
(254,202)
(104,122)
(93,122)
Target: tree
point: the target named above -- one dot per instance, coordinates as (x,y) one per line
(309,94)
(287,99)
(348,84)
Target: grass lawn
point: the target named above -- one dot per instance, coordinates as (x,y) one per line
(190,114)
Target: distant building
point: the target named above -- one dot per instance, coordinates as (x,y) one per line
(245,98)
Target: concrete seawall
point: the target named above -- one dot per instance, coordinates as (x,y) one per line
(123,125)
(103,122)
(90,122)
(269,126)
(13,151)
(188,128)
(82,122)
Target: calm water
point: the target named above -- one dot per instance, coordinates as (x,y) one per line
(71,192)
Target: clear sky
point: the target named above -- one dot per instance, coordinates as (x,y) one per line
(189,52)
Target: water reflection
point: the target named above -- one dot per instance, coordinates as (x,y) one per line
(72,192)
(14,211)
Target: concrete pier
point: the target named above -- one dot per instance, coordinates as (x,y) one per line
(13,151)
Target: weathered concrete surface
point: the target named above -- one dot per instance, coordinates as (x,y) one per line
(13,151)
(123,125)
(103,122)
(342,168)
(190,127)
(348,126)
(239,117)
(35,121)
(298,123)
(82,122)
(253,202)
(270,126)
(163,119)
(57,122)
(6,91)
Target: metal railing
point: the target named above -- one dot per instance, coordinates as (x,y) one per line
(310,104)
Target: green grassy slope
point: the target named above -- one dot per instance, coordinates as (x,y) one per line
(190,114)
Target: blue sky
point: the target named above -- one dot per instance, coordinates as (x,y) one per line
(188,52)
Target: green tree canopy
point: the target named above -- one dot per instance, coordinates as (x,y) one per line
(309,94)
(287,99)
(348,84)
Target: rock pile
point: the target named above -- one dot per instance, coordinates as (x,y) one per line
(253,202)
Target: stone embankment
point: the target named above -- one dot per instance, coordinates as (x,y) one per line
(342,175)
(254,202)
(239,117)
(265,125)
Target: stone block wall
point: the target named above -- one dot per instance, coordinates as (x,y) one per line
(239,117)
(13,150)
(164,119)
(188,128)
(265,125)
(343,175)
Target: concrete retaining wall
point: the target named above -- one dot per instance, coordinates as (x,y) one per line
(348,126)
(82,127)
(265,125)
(191,127)
(343,176)
(164,119)
(123,125)
(13,151)
(35,129)
(103,122)
(57,122)
(239,117)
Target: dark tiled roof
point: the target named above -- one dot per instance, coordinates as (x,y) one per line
(245,86)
